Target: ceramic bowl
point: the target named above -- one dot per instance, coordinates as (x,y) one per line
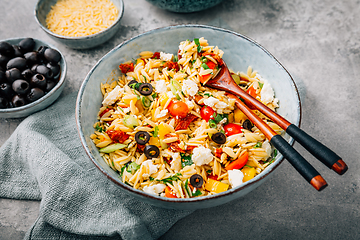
(185,6)
(43,7)
(48,98)
(239,53)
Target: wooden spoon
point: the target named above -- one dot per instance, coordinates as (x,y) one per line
(224,81)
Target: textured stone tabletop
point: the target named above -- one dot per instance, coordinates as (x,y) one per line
(319,43)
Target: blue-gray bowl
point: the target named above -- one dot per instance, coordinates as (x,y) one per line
(43,7)
(48,98)
(185,6)
(240,52)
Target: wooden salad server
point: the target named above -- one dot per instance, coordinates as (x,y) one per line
(224,81)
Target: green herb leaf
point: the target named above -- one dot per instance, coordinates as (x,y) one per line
(99,129)
(122,171)
(197,193)
(258,145)
(174,177)
(205,66)
(185,160)
(199,48)
(176,58)
(204,59)
(154,95)
(196,41)
(261,85)
(145,102)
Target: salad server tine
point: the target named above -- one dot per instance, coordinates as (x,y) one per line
(296,160)
(224,81)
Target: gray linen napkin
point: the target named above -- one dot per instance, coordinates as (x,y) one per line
(43,159)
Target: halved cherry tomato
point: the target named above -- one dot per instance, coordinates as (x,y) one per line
(169,193)
(205,78)
(232,128)
(238,163)
(178,109)
(207,113)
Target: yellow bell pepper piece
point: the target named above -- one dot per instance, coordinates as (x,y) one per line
(128,97)
(215,186)
(164,129)
(239,115)
(249,173)
(163,99)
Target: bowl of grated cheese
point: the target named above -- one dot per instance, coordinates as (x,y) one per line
(79,24)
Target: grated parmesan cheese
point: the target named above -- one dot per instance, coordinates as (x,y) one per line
(77,18)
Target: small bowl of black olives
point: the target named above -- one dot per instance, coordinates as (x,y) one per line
(32,76)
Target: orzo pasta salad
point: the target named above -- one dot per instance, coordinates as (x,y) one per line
(167,134)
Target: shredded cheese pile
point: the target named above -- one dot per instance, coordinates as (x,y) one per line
(77,18)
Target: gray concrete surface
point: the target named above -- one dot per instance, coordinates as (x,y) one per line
(318,42)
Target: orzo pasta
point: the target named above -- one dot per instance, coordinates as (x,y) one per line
(167,134)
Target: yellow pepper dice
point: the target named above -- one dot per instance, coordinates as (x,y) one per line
(163,99)
(249,173)
(164,129)
(128,98)
(239,115)
(215,186)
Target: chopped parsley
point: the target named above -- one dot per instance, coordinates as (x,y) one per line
(133,167)
(99,129)
(261,85)
(205,66)
(196,193)
(185,160)
(258,145)
(156,131)
(197,42)
(174,177)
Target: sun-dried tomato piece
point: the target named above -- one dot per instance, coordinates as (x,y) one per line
(156,55)
(172,65)
(126,67)
(218,152)
(103,112)
(183,123)
(140,148)
(117,135)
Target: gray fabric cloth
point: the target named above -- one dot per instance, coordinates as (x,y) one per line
(43,159)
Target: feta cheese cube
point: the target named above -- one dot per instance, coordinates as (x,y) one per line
(113,96)
(189,87)
(155,189)
(201,156)
(162,113)
(235,177)
(266,93)
(166,56)
(160,86)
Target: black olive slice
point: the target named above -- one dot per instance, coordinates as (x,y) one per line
(145,89)
(196,180)
(142,137)
(247,125)
(219,138)
(132,84)
(151,151)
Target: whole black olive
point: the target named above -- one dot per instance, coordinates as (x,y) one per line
(20,86)
(17,51)
(196,180)
(18,101)
(6,49)
(50,85)
(38,80)
(145,89)
(219,138)
(33,67)
(13,74)
(151,151)
(32,58)
(3,102)
(3,60)
(42,69)
(247,124)
(52,55)
(142,137)
(18,62)
(34,94)
(41,51)
(132,84)
(27,45)
(55,68)
(2,76)
(27,74)
(6,90)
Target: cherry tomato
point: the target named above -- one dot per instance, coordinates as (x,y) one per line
(232,128)
(169,193)
(178,109)
(252,92)
(207,113)
(238,163)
